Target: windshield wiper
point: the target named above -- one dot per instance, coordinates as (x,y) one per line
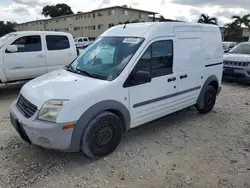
(70,68)
(85,73)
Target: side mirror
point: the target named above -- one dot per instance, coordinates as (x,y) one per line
(141,77)
(12,48)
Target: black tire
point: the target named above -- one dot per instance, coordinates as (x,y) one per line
(208,101)
(102,135)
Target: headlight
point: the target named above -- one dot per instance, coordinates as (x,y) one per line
(50,110)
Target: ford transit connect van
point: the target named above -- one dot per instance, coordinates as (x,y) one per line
(132,74)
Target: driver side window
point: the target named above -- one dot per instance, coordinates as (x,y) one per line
(157,59)
(28,44)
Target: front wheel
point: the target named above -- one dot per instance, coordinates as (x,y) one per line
(102,135)
(208,101)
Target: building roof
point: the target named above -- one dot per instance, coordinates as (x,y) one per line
(96,10)
(125,7)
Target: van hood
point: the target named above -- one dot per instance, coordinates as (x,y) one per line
(237,57)
(59,84)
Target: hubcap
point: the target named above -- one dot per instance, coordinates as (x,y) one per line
(104,136)
(210,99)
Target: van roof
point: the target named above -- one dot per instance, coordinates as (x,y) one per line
(40,32)
(157,29)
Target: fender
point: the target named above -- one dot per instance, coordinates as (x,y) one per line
(108,105)
(210,79)
(3,78)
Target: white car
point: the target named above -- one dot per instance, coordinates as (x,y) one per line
(129,76)
(82,42)
(227,46)
(237,63)
(26,55)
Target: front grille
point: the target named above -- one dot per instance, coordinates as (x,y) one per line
(25,107)
(236,63)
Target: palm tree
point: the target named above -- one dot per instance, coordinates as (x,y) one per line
(231,28)
(208,20)
(244,20)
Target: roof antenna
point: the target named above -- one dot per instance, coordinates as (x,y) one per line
(127,21)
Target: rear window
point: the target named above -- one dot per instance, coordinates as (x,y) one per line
(57,42)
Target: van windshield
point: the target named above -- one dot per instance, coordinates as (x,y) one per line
(5,39)
(107,57)
(243,48)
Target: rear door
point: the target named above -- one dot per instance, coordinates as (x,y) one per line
(28,62)
(59,51)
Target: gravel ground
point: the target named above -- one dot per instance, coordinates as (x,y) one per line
(185,149)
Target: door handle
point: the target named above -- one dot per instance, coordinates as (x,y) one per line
(183,76)
(172,79)
(40,56)
(17,68)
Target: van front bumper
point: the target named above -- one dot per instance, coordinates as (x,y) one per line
(42,133)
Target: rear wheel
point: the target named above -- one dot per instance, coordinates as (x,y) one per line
(102,135)
(208,101)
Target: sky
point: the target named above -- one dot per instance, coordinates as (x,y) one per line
(186,10)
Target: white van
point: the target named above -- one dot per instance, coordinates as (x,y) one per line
(26,55)
(132,74)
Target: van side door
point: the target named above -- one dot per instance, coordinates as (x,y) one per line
(190,60)
(153,99)
(29,59)
(60,51)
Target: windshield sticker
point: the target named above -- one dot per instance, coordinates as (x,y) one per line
(131,40)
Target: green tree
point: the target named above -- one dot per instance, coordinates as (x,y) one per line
(6,28)
(240,21)
(57,10)
(207,19)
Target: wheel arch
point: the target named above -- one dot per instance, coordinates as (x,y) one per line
(108,105)
(212,81)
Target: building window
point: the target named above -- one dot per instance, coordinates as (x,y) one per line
(57,42)
(141,15)
(94,15)
(100,26)
(89,15)
(41,23)
(111,12)
(86,27)
(78,17)
(77,28)
(111,25)
(57,21)
(91,27)
(125,12)
(100,14)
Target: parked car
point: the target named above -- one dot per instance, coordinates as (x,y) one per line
(237,63)
(129,76)
(26,55)
(82,42)
(227,46)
